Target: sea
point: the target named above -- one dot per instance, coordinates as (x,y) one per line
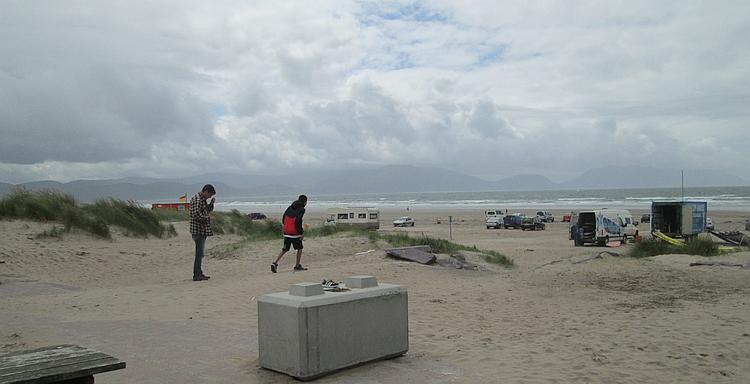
(718,198)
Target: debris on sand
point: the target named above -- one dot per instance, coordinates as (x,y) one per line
(458,261)
(720,263)
(420,253)
(597,256)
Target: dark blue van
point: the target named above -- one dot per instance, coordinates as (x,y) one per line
(512,221)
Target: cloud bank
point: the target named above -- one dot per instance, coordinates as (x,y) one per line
(493,89)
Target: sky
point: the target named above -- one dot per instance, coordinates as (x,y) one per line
(110,89)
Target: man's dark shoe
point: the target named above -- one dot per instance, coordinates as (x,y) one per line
(299,267)
(273,267)
(200,278)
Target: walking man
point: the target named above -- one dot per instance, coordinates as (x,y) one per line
(200,226)
(293,232)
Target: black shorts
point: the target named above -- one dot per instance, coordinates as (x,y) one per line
(296,242)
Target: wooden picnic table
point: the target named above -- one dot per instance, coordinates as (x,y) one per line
(68,364)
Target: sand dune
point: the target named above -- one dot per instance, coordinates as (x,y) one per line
(551,319)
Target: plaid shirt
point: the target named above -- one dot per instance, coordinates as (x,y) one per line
(200,221)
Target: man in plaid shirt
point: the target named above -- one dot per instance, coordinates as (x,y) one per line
(200,226)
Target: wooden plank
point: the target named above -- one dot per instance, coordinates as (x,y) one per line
(67,372)
(41,355)
(59,361)
(420,254)
(53,364)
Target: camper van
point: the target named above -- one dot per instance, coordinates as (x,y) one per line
(493,213)
(679,218)
(602,225)
(358,217)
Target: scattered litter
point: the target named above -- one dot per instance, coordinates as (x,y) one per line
(458,261)
(421,254)
(365,252)
(597,256)
(720,263)
(551,262)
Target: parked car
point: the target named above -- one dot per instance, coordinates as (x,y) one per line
(646,218)
(256,216)
(747,225)
(546,217)
(709,224)
(602,225)
(532,223)
(405,221)
(566,218)
(494,222)
(513,221)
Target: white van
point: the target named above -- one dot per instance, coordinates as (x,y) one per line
(602,225)
(493,213)
(358,217)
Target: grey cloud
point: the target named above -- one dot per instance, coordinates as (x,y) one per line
(486,120)
(106,89)
(94,114)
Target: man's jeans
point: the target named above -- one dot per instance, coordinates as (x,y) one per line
(200,245)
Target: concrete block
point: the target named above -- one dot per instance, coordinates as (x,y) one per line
(309,336)
(361,281)
(306,289)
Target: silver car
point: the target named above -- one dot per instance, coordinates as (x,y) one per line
(404,221)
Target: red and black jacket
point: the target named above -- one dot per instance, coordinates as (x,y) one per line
(292,219)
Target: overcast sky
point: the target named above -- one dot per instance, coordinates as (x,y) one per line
(107,89)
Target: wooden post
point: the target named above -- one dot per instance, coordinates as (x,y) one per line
(450,227)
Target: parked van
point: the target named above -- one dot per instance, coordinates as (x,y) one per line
(358,217)
(602,225)
(493,213)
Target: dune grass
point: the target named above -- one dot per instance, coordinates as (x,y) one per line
(234,222)
(654,247)
(441,246)
(54,232)
(93,218)
(134,219)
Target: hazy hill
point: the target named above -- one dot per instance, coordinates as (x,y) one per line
(649,177)
(526,183)
(399,179)
(396,178)
(5,188)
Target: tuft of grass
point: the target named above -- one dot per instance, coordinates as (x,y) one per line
(441,246)
(38,206)
(654,247)
(329,230)
(234,222)
(703,247)
(54,232)
(93,218)
(134,219)
(650,247)
(495,257)
(75,217)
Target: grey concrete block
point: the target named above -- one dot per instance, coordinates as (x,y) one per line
(310,336)
(361,281)
(306,289)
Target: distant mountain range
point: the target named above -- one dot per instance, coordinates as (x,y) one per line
(388,179)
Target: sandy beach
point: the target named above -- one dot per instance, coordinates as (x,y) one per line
(553,318)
